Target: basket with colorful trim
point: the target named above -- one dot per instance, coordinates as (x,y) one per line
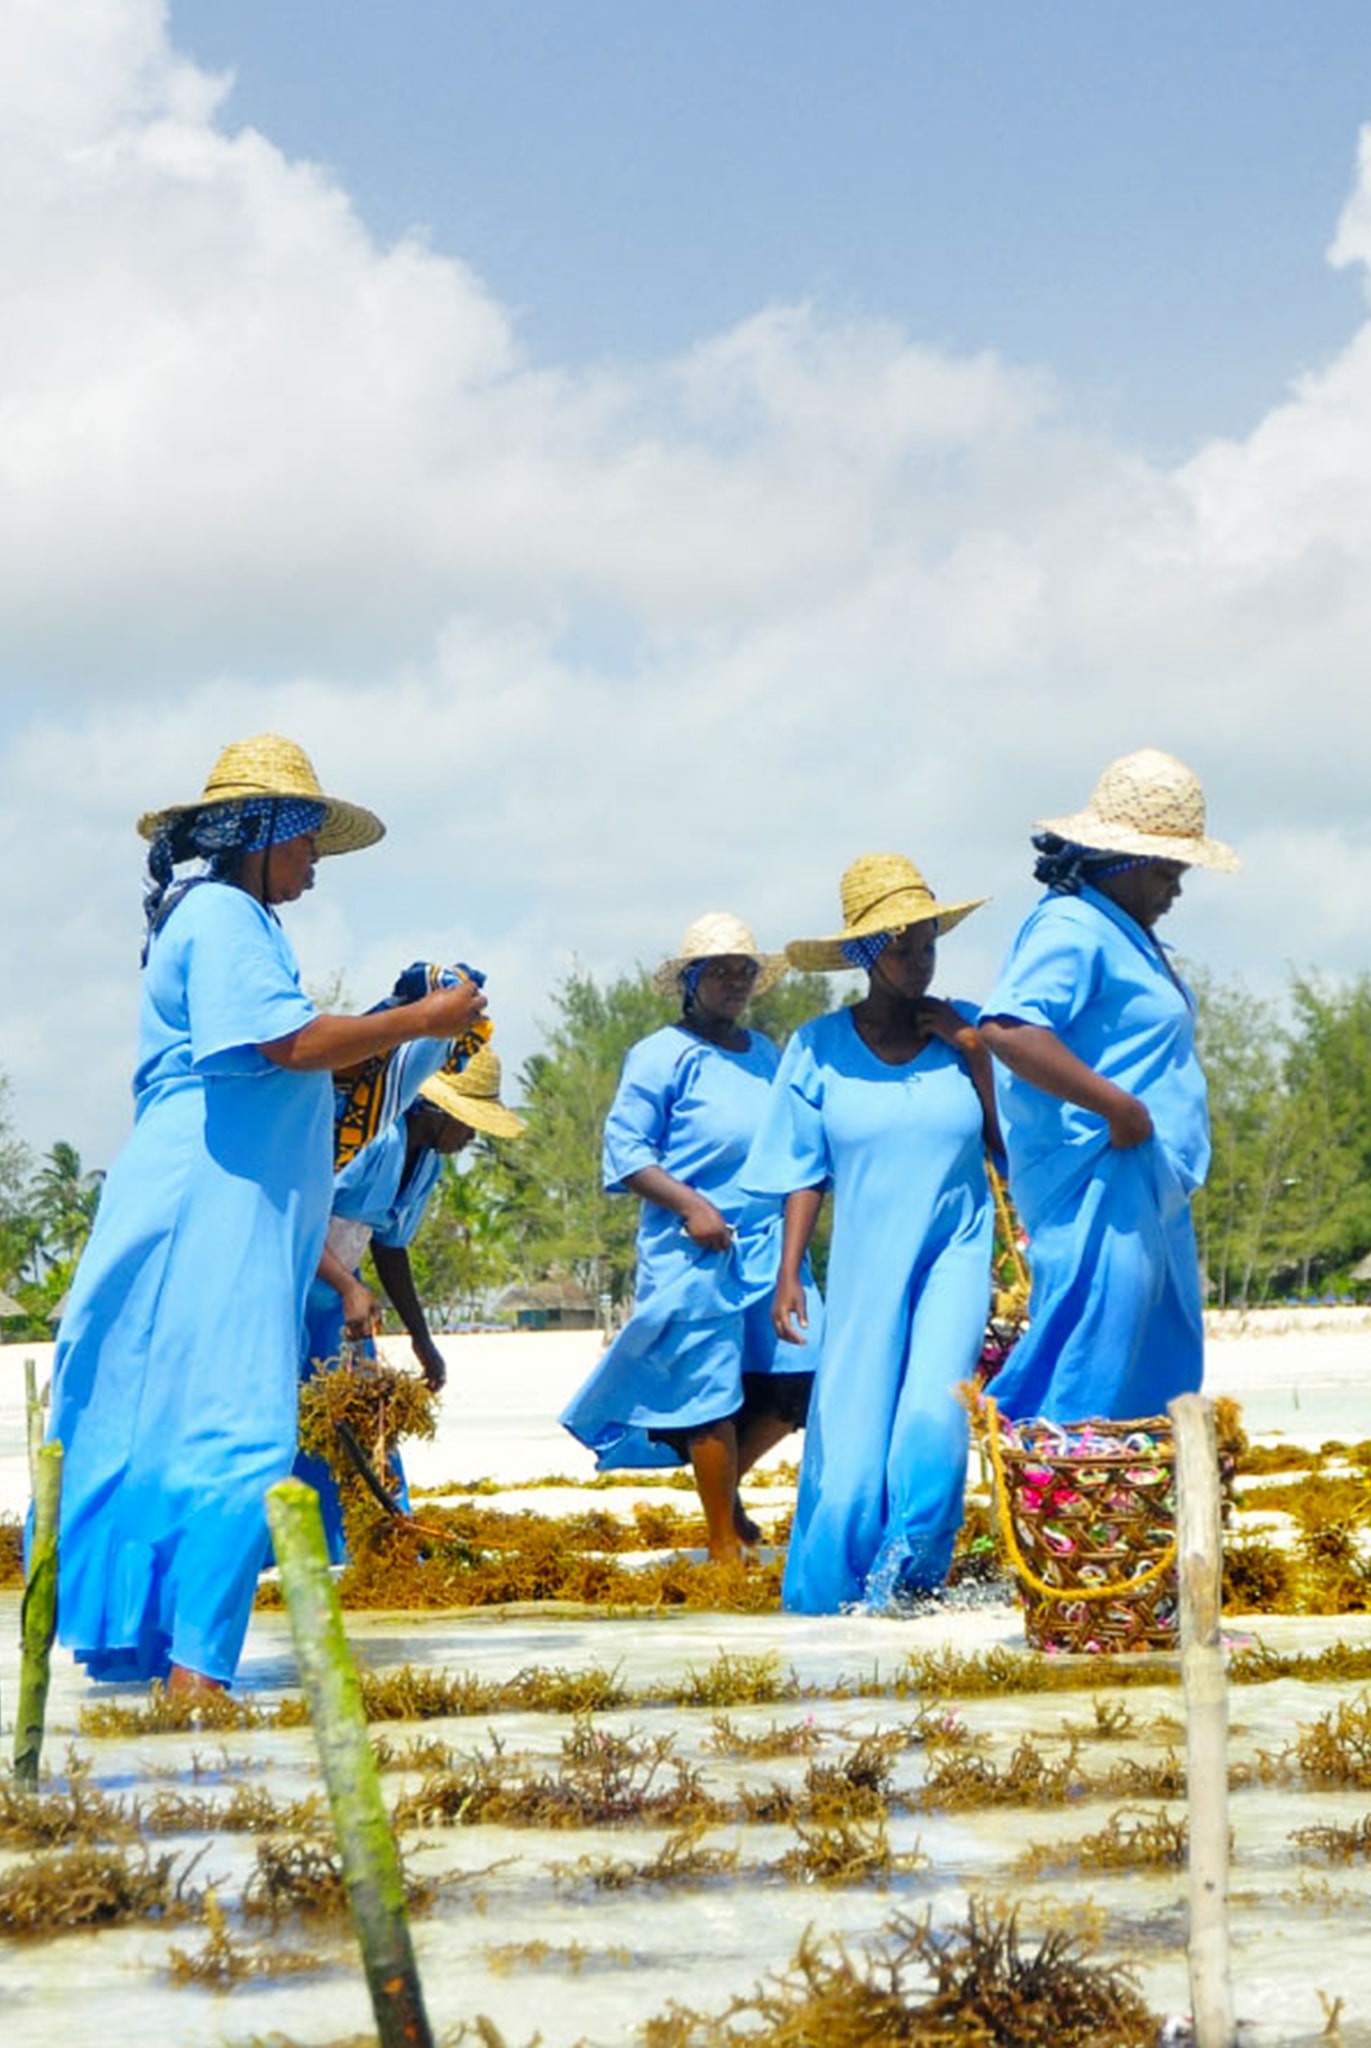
(1086,1515)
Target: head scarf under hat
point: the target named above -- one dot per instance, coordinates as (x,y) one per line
(368,1098)
(718,935)
(1149,804)
(881,893)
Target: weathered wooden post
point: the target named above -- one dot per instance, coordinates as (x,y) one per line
(1199,1567)
(38,1617)
(33,1413)
(371,1867)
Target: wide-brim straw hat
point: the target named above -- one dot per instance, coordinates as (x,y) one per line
(880,892)
(473,1096)
(269,766)
(719,935)
(1146,803)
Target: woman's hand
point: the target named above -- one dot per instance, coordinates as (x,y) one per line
(949,1024)
(447,1012)
(1130,1123)
(361,1311)
(787,1309)
(704,1225)
(431,1363)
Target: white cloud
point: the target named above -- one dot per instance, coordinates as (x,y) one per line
(602,648)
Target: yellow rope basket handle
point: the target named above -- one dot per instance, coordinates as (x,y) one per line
(1006,1223)
(986,1417)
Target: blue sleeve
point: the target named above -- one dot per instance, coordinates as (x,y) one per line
(242,985)
(1050,976)
(636,1127)
(790,1149)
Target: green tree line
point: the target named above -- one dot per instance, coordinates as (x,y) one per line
(1287,1208)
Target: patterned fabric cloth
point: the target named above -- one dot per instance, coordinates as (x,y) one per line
(1066,868)
(369,1097)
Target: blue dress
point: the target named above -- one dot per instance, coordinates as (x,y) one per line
(1116,1326)
(174,1387)
(701,1319)
(371,1190)
(908,1290)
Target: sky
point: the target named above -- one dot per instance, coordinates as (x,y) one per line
(652,455)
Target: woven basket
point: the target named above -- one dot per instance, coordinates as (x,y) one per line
(1087,1513)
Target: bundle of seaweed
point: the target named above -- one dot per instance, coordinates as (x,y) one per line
(736,1681)
(601,1780)
(179,1713)
(571,1958)
(48,1820)
(411,1694)
(681,1860)
(969,1674)
(985,1989)
(1337,1844)
(846,1850)
(1335,1750)
(11,1551)
(1129,1840)
(379,1404)
(305,1878)
(248,1810)
(779,1738)
(92,1886)
(223,1962)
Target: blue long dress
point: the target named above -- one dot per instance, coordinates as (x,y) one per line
(700,1318)
(371,1190)
(174,1388)
(1116,1326)
(908,1287)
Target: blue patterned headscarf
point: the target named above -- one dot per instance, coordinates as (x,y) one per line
(220,835)
(864,953)
(1064,868)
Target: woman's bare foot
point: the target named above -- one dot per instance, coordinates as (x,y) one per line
(725,1553)
(745,1528)
(193,1684)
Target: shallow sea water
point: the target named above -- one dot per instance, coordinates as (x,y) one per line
(610,1959)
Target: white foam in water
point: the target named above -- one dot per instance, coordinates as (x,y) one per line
(1299,1926)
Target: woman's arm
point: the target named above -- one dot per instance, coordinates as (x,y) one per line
(1038,1056)
(397,1277)
(788,1302)
(704,1225)
(361,1317)
(948,1023)
(327,1043)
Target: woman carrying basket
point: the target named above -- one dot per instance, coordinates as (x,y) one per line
(1103,1103)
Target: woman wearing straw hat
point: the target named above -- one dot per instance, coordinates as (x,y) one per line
(697,1371)
(174,1388)
(379,1200)
(889,1104)
(1103,1102)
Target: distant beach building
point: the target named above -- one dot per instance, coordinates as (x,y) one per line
(557,1304)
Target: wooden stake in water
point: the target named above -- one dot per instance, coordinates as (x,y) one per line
(33,1410)
(371,1867)
(38,1617)
(1199,1565)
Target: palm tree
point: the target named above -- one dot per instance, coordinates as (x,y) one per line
(65,1198)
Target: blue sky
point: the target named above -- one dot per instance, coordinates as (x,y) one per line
(1137,196)
(653,455)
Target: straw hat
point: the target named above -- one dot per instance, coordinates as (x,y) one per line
(473,1096)
(881,892)
(1148,803)
(719,935)
(269,766)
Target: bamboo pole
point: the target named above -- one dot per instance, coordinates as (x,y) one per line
(1199,1565)
(371,1867)
(38,1618)
(33,1412)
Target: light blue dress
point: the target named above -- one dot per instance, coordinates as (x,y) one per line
(701,1319)
(370,1189)
(174,1388)
(1116,1327)
(908,1290)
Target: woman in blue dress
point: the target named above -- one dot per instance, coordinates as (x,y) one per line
(174,1385)
(888,1104)
(379,1201)
(697,1372)
(1103,1103)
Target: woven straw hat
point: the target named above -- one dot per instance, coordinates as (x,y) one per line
(1146,803)
(719,935)
(473,1096)
(881,892)
(270,766)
